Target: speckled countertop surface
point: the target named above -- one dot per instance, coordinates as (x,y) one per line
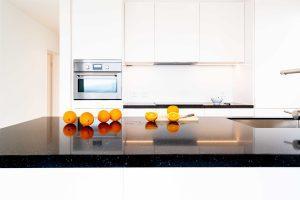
(210,142)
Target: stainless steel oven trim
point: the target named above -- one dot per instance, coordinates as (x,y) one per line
(97,96)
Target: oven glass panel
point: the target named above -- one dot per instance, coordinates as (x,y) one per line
(98,85)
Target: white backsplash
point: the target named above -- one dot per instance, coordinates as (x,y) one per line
(177,83)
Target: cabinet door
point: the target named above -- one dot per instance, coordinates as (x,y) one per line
(139,31)
(221,32)
(176,31)
(277,47)
(97,29)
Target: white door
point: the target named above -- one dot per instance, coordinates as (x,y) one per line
(222,32)
(177,31)
(139,31)
(49,84)
(277,47)
(97,29)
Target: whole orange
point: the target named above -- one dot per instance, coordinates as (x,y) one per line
(116,127)
(151,116)
(103,128)
(69,117)
(115,114)
(86,132)
(103,116)
(86,119)
(69,130)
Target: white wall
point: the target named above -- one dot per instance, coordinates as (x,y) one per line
(65,60)
(23,66)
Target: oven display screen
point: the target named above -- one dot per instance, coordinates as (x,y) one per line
(97,67)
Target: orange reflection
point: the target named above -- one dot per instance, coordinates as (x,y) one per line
(69,130)
(173,127)
(86,133)
(103,128)
(115,127)
(151,126)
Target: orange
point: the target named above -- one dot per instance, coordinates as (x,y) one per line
(86,119)
(103,128)
(115,114)
(173,109)
(69,130)
(173,116)
(116,127)
(103,116)
(151,116)
(70,117)
(173,127)
(86,133)
(151,126)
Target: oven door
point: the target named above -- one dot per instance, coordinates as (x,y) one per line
(97,86)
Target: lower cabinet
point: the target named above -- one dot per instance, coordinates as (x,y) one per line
(210,183)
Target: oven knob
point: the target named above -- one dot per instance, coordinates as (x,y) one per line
(87,67)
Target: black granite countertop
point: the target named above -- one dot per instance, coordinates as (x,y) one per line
(210,142)
(187,105)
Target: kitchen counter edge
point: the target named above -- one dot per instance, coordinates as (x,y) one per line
(121,161)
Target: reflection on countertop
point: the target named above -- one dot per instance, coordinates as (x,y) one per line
(134,136)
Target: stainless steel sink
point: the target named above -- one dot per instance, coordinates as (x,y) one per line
(269,123)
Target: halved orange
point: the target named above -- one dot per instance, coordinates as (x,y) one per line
(173,116)
(172,109)
(173,127)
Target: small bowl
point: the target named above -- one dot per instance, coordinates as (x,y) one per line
(217,100)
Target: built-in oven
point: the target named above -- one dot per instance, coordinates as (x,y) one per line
(97,79)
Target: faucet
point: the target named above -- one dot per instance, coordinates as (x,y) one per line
(290,71)
(295,113)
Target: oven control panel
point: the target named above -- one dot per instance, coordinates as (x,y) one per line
(97,65)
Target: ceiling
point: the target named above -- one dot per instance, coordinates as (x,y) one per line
(44,11)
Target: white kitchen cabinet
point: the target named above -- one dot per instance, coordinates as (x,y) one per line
(183,183)
(97,29)
(222,36)
(139,31)
(177,31)
(277,47)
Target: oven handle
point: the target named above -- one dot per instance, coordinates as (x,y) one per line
(94,75)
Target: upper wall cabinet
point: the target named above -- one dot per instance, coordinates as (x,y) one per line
(139,31)
(177,31)
(222,32)
(97,29)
